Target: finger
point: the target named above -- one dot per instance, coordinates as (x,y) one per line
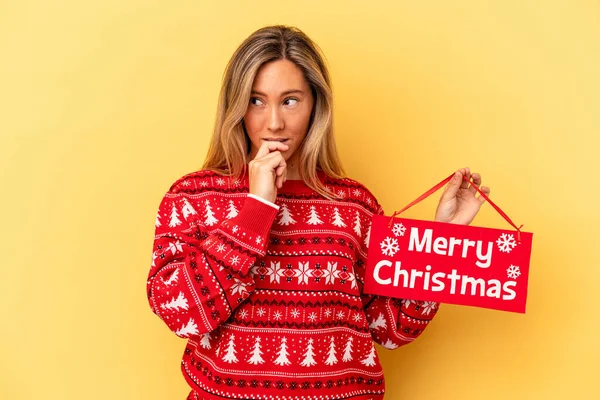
(485,190)
(464,182)
(269,146)
(452,187)
(475,183)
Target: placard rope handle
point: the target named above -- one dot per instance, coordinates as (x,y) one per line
(442,183)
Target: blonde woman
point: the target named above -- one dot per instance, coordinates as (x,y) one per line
(259,256)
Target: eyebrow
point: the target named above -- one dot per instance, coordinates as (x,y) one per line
(282,93)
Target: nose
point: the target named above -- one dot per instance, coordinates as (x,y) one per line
(275,120)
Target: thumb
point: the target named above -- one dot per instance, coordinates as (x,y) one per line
(452,187)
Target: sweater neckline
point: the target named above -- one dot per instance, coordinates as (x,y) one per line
(293,185)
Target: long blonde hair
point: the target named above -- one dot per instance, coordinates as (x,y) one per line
(230,145)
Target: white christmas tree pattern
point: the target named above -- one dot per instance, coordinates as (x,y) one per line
(506,242)
(332,359)
(309,355)
(286,216)
(282,358)
(233,212)
(399,229)
(188,329)
(390,345)
(172,278)
(176,304)
(229,355)
(205,342)
(314,217)
(368,237)
(157,223)
(210,216)
(174,217)
(369,360)
(389,246)
(337,218)
(187,209)
(378,323)
(357,227)
(513,271)
(256,353)
(348,350)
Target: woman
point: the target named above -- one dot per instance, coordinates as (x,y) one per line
(259,257)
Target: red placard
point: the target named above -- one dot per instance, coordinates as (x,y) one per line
(448,263)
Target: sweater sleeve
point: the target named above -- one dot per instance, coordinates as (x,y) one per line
(393,322)
(199,272)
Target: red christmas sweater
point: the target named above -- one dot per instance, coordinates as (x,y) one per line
(269,295)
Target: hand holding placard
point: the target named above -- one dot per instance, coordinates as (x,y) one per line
(449,263)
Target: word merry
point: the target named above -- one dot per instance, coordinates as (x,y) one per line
(490,288)
(442,247)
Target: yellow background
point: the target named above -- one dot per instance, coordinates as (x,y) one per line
(104,104)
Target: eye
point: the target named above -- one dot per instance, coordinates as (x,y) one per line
(292,99)
(255,98)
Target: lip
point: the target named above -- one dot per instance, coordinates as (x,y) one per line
(276,140)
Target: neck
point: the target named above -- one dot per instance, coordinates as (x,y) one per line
(292,169)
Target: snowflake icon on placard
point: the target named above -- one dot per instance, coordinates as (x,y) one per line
(506,242)
(399,229)
(513,271)
(389,246)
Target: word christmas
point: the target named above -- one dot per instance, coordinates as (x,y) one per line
(448,263)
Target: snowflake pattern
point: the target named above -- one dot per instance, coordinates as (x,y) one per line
(356,192)
(312,317)
(399,229)
(357,317)
(239,287)
(303,272)
(221,248)
(295,313)
(389,246)
(513,271)
(428,306)
(506,242)
(261,311)
(244,314)
(407,302)
(220,181)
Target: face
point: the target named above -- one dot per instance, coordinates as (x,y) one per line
(280,106)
